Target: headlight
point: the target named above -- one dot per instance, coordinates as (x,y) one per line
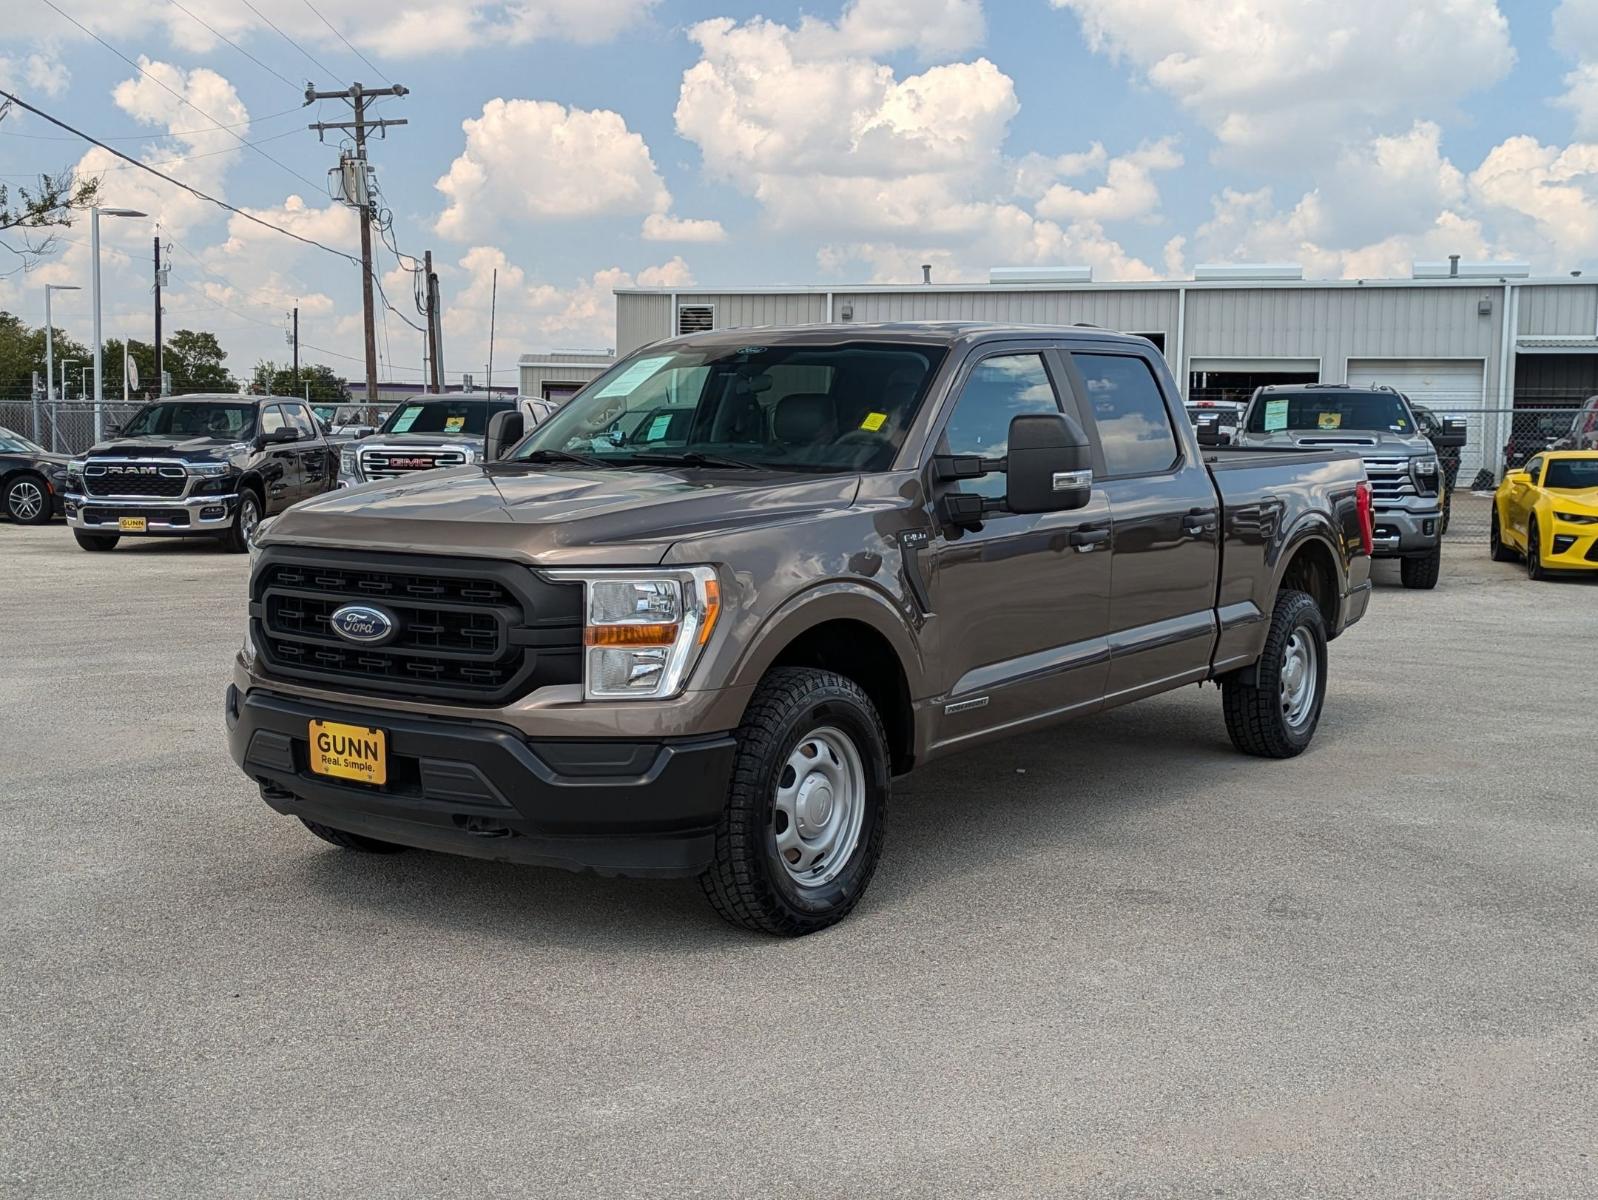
(75,467)
(255,540)
(1425,466)
(1576,518)
(208,470)
(349,462)
(471,453)
(644,629)
(247,650)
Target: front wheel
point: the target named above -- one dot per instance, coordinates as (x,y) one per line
(1422,571)
(1534,552)
(237,539)
(1272,709)
(803,827)
(96,541)
(28,501)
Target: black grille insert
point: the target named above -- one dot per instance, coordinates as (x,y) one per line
(113,480)
(467,630)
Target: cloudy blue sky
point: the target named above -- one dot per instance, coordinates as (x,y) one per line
(577,145)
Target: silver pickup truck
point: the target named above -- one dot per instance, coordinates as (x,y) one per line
(826,556)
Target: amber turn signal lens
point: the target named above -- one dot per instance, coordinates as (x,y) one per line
(631,635)
(712,609)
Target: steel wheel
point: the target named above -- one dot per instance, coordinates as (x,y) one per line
(820,807)
(25,500)
(249,517)
(1299,677)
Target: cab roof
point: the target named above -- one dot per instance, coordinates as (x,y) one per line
(908,333)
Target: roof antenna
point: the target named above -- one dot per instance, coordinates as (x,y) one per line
(926,272)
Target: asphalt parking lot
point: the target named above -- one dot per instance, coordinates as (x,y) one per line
(1116,959)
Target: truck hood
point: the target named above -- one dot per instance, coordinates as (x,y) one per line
(1370,443)
(555,515)
(190,449)
(425,439)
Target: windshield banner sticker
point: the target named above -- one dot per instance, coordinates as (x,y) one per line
(1275,415)
(627,382)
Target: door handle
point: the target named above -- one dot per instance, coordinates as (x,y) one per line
(1089,536)
(1198,522)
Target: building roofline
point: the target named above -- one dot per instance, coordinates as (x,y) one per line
(1140,285)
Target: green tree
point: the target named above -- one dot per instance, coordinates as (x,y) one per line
(143,355)
(22,354)
(194,360)
(28,214)
(276,379)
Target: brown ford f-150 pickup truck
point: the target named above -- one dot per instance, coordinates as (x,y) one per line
(696,622)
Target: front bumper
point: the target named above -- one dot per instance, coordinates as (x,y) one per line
(193,515)
(1405,531)
(1570,547)
(646,808)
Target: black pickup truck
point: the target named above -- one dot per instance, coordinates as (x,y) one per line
(199,466)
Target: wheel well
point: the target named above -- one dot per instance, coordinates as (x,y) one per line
(1313,571)
(254,485)
(856,651)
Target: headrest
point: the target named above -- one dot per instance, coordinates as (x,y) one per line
(805,417)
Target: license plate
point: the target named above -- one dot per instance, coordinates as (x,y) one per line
(130,524)
(349,751)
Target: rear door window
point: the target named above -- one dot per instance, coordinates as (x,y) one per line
(1134,425)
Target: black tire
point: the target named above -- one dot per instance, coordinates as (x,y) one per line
(1534,552)
(1495,541)
(28,500)
(1422,570)
(1256,716)
(237,539)
(747,883)
(1448,508)
(351,841)
(96,541)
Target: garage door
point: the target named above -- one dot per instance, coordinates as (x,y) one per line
(1447,386)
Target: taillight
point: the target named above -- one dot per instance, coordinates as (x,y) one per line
(1367,525)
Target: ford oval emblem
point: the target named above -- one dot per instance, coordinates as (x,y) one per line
(365,623)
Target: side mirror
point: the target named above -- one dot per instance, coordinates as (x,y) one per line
(1050,468)
(505,429)
(285,433)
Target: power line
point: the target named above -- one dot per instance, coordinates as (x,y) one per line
(236,46)
(313,61)
(178,183)
(347,42)
(145,137)
(175,95)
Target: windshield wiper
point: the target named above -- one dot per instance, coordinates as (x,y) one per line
(690,458)
(549,456)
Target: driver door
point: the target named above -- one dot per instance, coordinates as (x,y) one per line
(1021,604)
(279,462)
(1522,496)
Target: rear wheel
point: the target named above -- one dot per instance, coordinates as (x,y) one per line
(1422,571)
(803,827)
(1534,552)
(28,500)
(350,841)
(1495,541)
(1272,710)
(96,541)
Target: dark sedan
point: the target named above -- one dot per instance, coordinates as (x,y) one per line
(31,479)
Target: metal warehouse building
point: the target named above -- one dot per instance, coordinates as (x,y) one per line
(1484,341)
(557,374)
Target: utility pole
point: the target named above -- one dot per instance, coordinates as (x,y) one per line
(357,194)
(296,336)
(160,390)
(433,375)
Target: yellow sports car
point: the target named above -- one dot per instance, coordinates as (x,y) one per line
(1548,512)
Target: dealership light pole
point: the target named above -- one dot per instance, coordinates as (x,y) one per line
(95,214)
(49,350)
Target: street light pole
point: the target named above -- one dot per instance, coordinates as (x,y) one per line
(94,287)
(49,351)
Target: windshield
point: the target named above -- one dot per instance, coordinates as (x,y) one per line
(15,443)
(1574,474)
(193,418)
(444,416)
(793,408)
(1329,411)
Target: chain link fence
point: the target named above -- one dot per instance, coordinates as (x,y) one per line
(63,426)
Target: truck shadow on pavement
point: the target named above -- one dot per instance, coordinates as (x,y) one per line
(972,816)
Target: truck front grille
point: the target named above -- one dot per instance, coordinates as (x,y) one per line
(1389,478)
(380,463)
(470,631)
(112,479)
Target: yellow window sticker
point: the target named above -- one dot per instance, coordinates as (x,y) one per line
(1331,420)
(454,424)
(874,421)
